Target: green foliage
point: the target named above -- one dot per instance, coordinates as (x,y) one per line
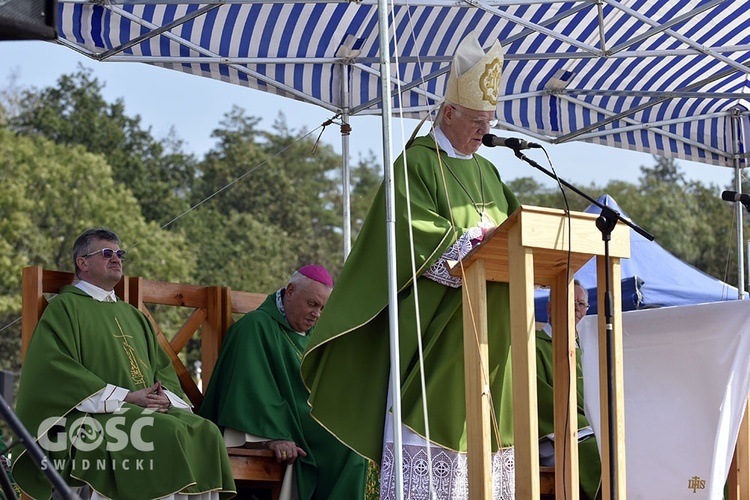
(687,218)
(52,193)
(238,251)
(279,181)
(267,201)
(531,192)
(76,113)
(366,177)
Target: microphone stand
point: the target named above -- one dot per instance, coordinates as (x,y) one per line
(606,223)
(35,452)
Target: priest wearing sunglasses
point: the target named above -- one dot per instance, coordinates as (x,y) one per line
(103,399)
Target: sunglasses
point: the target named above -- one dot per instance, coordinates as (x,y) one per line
(108,253)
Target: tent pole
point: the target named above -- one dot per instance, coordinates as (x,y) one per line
(736,134)
(740,237)
(345,170)
(390,224)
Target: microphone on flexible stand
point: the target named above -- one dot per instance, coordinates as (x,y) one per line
(735,196)
(513,143)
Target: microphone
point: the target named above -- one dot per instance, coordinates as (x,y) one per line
(513,143)
(735,196)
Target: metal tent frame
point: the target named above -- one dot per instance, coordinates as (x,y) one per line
(665,78)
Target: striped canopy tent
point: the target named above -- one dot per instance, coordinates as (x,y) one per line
(666,78)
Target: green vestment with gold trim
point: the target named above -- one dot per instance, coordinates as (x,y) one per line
(256,388)
(80,346)
(346,366)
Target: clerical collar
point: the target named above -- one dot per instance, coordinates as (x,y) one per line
(96,293)
(445,145)
(280,306)
(548,329)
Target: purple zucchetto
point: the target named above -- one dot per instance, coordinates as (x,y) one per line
(317,273)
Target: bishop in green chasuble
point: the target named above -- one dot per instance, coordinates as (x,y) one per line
(346,365)
(79,347)
(445,197)
(256,388)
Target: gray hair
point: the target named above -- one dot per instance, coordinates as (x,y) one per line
(83,244)
(441,113)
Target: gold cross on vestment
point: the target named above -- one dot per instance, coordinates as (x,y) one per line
(135,370)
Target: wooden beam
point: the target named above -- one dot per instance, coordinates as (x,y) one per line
(476,379)
(188,329)
(565,388)
(523,351)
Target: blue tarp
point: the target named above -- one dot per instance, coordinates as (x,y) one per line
(651,277)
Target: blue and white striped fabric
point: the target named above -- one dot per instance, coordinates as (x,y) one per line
(667,78)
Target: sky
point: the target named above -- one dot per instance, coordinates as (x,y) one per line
(194,106)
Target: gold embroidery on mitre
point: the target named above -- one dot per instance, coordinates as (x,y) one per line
(489,82)
(477,87)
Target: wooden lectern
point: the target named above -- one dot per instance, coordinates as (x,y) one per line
(534,247)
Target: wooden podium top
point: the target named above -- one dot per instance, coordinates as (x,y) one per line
(545,230)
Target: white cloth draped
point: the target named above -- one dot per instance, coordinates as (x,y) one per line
(686,382)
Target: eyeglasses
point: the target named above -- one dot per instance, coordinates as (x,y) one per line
(582,304)
(480,123)
(108,253)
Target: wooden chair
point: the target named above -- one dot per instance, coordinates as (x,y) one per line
(211,313)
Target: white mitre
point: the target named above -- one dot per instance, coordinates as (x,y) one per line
(474,80)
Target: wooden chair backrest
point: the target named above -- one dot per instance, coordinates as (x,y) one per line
(212,313)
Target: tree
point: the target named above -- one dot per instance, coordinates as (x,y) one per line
(52,193)
(366,177)
(10,98)
(530,192)
(275,177)
(236,250)
(75,113)
(685,217)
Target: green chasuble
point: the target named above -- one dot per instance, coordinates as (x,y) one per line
(589,465)
(256,388)
(79,346)
(346,366)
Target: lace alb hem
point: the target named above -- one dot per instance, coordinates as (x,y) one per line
(449,474)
